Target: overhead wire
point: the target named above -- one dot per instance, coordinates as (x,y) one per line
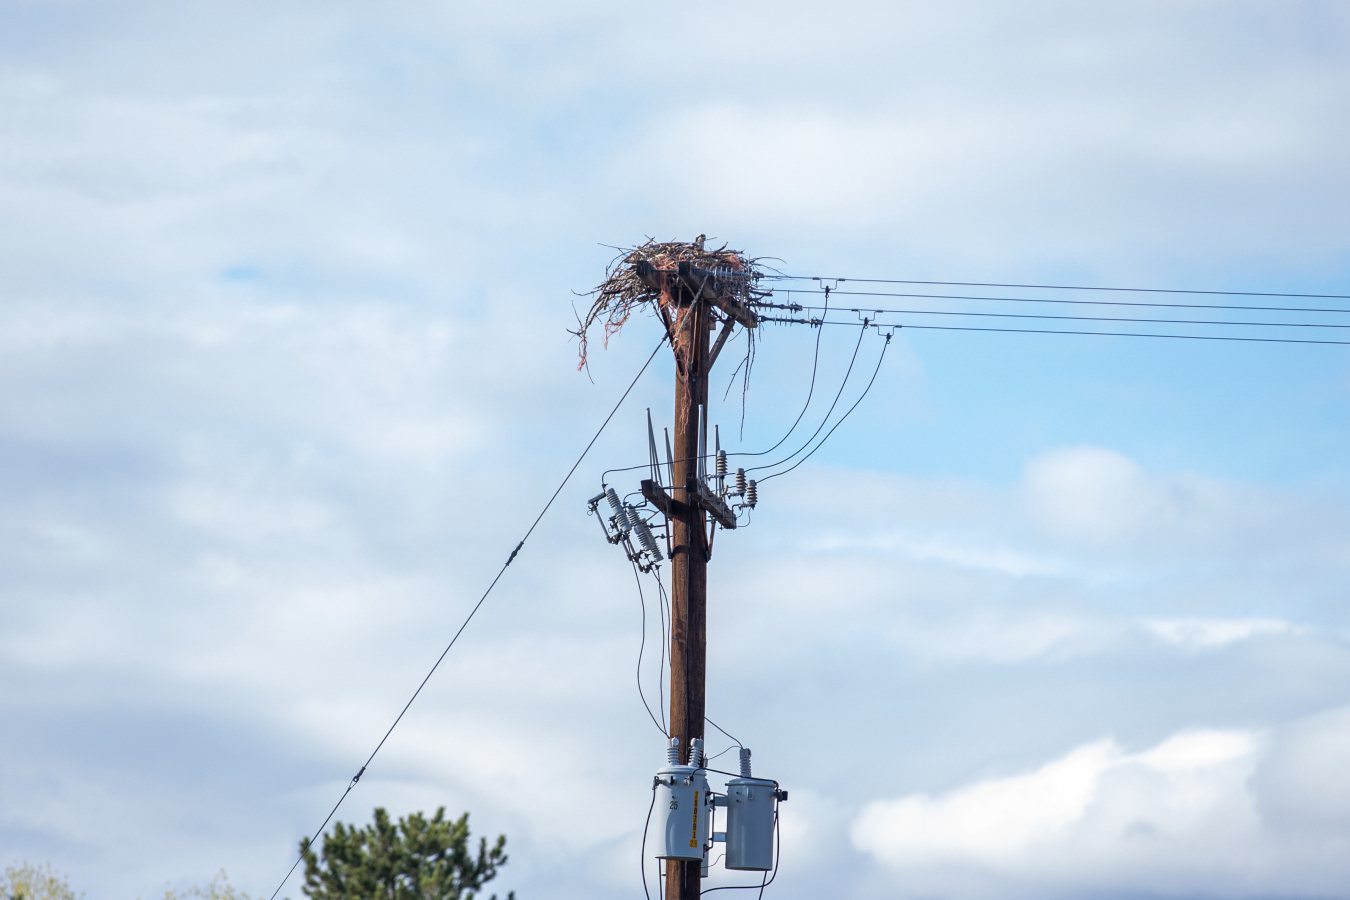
(833,291)
(870,382)
(861,332)
(1002,315)
(1140,334)
(824,421)
(666,615)
(1138,303)
(467,619)
(724,731)
(1062,287)
(642,646)
(815,363)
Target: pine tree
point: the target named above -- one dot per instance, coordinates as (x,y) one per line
(416,859)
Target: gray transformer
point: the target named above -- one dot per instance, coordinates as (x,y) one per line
(750,823)
(684,805)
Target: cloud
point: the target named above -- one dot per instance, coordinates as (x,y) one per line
(1204,633)
(1185,812)
(286,376)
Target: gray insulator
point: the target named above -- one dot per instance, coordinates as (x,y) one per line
(745,762)
(721,462)
(620,518)
(740,481)
(696,753)
(644,535)
(751,494)
(673,752)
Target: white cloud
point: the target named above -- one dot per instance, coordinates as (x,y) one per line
(1203,807)
(285,377)
(1087,819)
(1203,633)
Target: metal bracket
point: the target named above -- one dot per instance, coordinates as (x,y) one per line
(674,509)
(709,501)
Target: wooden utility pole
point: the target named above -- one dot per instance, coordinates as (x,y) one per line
(696,297)
(689,560)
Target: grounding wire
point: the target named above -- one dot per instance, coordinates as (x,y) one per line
(357,777)
(642,646)
(1184,337)
(880,359)
(642,861)
(1063,287)
(1139,303)
(862,331)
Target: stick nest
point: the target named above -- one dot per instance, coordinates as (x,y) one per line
(622,292)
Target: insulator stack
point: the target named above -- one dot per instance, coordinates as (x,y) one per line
(645,537)
(745,762)
(620,518)
(751,494)
(673,752)
(721,462)
(696,753)
(740,481)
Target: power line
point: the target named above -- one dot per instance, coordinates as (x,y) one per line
(815,363)
(1140,303)
(828,412)
(642,645)
(723,730)
(880,359)
(1185,337)
(997,315)
(1063,287)
(469,617)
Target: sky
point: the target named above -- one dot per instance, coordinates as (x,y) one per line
(285,374)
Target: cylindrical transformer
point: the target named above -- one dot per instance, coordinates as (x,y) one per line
(684,812)
(750,824)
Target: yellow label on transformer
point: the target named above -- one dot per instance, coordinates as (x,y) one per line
(693,838)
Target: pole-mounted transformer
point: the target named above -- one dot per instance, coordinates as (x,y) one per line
(688,805)
(686,809)
(751,816)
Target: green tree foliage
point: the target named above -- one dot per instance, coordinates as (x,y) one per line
(29,882)
(417,859)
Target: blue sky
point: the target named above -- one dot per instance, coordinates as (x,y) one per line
(286,374)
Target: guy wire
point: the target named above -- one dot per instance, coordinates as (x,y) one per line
(357,777)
